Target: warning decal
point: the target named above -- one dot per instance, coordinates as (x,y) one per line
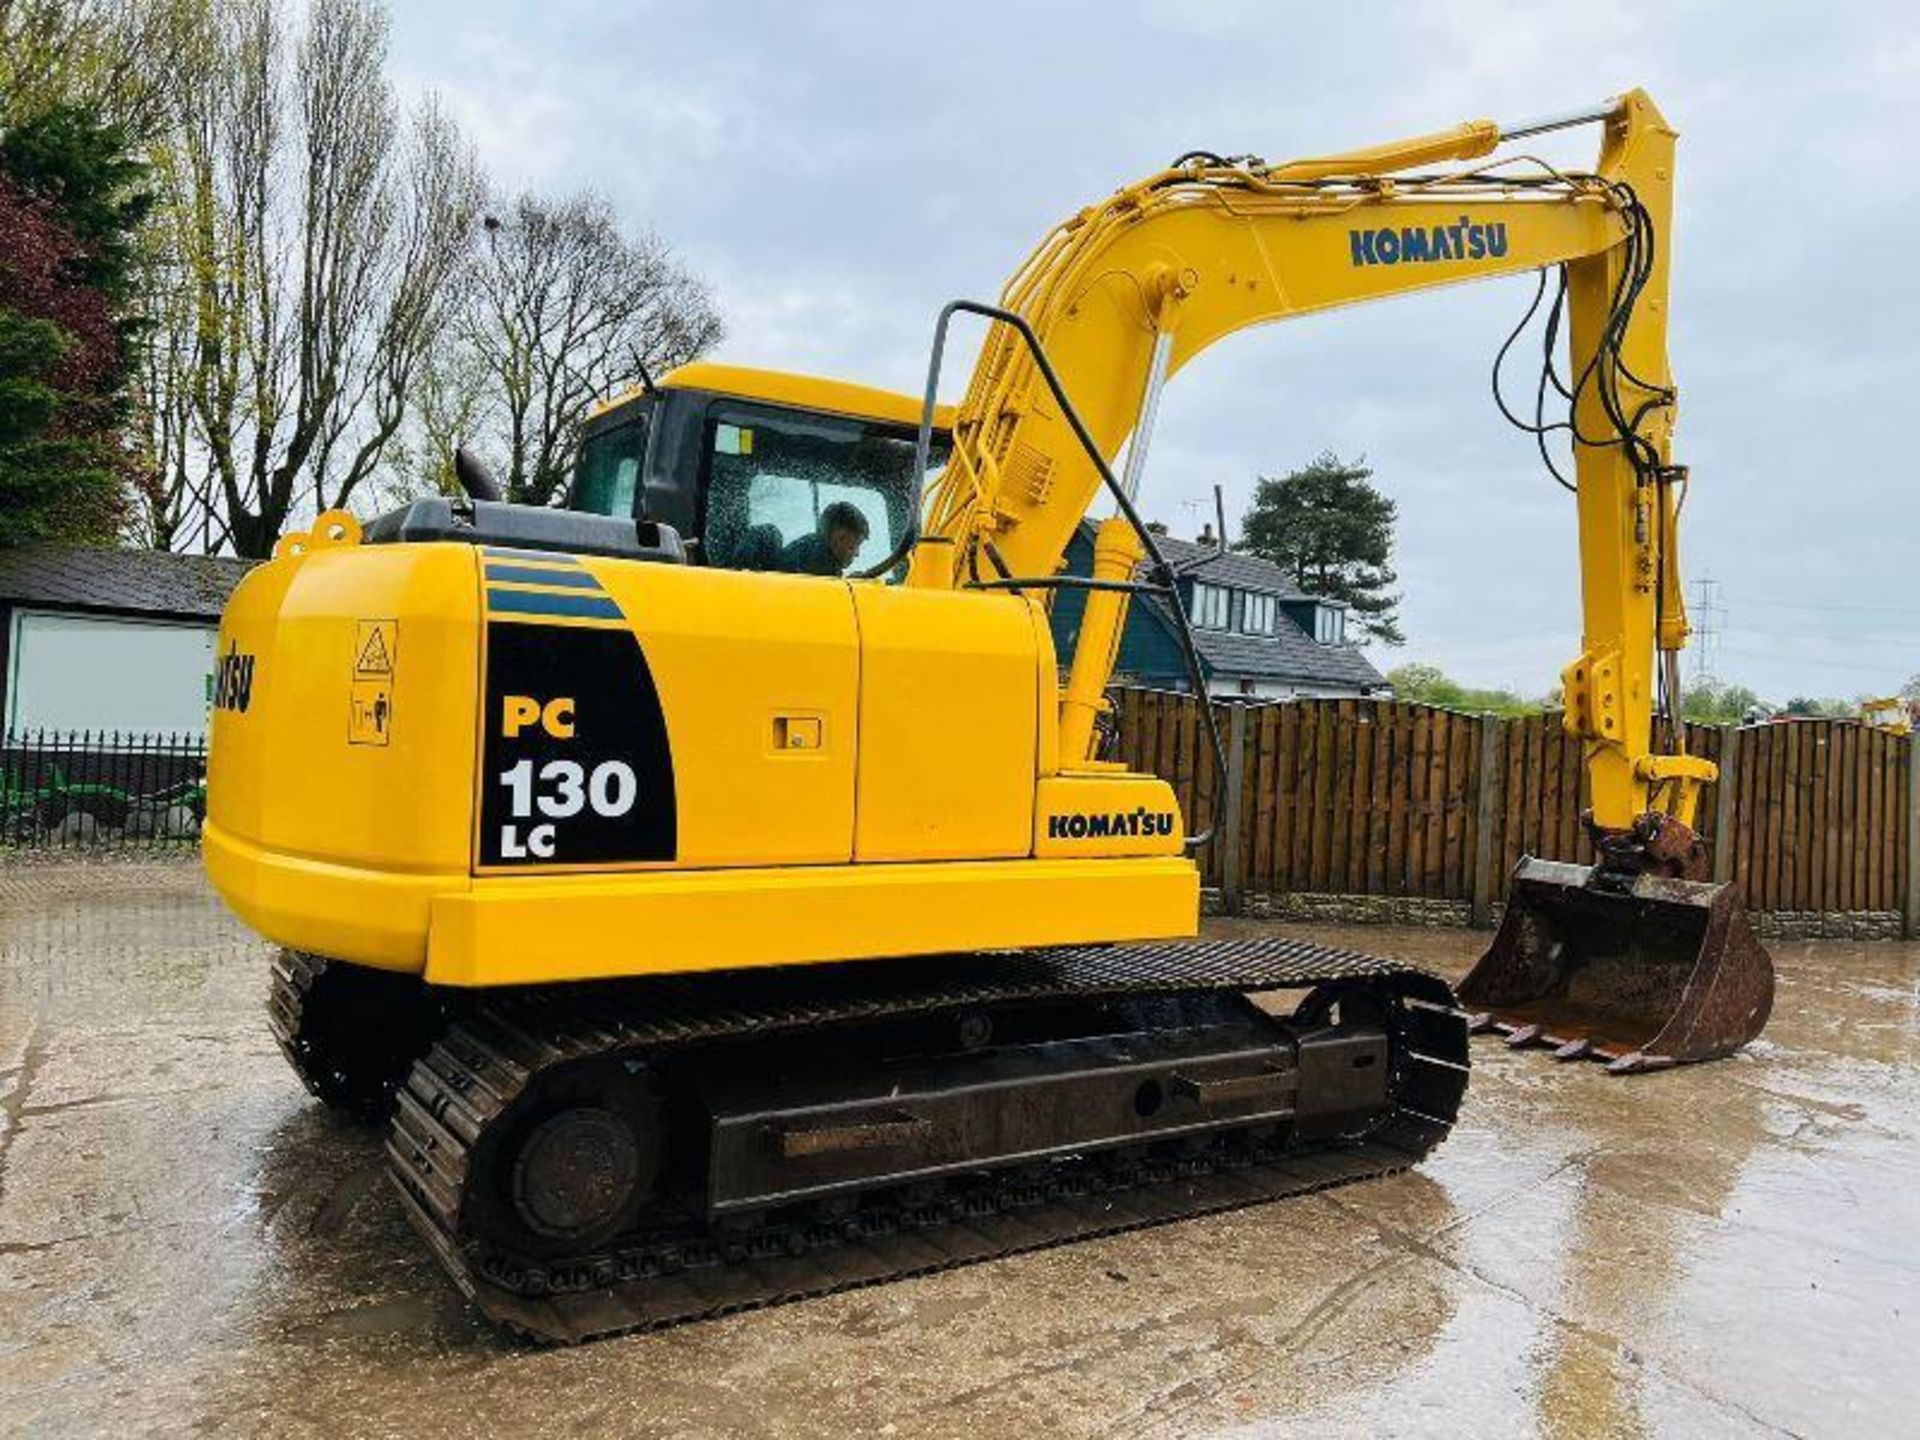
(370,708)
(371,720)
(374,650)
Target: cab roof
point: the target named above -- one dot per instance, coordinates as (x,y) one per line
(800,392)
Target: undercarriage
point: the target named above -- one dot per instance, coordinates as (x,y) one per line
(597,1158)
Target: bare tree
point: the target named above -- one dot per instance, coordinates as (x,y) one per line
(316,238)
(451,403)
(323,317)
(564,309)
(169,494)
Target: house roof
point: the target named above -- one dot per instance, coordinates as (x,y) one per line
(1289,654)
(1243,572)
(141,582)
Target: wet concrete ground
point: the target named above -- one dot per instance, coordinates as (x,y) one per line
(188,1243)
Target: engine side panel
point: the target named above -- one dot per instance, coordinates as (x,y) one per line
(503,767)
(948,698)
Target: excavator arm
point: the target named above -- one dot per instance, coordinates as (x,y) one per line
(1632,960)
(1123,295)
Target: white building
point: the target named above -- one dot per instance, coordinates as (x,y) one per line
(109,640)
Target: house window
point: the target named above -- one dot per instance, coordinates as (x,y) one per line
(1210,606)
(1256,614)
(1330,625)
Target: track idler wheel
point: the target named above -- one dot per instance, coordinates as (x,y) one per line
(576,1174)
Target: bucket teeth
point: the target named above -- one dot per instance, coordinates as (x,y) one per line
(1574,1050)
(1524,1036)
(1639,1063)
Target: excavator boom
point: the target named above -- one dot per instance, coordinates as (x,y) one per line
(1122,296)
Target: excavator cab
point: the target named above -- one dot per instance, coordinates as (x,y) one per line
(744,464)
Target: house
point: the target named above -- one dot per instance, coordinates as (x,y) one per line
(109,640)
(1258,635)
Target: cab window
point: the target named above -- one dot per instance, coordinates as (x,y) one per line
(805,494)
(607,475)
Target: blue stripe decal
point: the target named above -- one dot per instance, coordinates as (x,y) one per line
(528,602)
(526,575)
(535,557)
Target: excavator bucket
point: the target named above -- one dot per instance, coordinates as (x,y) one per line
(1642,971)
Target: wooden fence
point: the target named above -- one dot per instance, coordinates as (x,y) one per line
(1382,797)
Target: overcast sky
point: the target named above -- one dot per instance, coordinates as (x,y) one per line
(837,172)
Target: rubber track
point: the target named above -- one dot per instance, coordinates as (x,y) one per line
(502,1042)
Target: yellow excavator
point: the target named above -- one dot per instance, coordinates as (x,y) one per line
(1891,713)
(726,900)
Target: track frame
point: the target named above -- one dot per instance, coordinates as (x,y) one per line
(500,1044)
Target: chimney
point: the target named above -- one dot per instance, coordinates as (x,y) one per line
(1206,535)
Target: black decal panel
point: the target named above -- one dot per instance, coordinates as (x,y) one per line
(577,768)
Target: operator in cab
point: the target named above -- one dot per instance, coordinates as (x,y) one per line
(841,532)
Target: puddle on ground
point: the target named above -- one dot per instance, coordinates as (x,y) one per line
(186,1239)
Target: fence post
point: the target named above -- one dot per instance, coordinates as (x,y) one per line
(1227,813)
(1723,804)
(1910,920)
(1490,728)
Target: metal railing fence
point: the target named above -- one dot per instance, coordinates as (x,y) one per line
(97,789)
